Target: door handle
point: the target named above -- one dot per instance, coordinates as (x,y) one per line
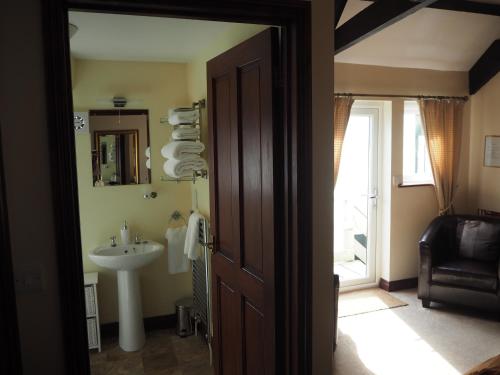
(210,245)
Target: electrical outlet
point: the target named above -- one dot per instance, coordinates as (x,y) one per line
(29,280)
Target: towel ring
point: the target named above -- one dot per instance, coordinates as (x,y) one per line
(176,215)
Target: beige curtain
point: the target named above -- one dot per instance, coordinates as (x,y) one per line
(341,113)
(442,122)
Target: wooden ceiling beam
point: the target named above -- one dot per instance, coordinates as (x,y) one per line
(374,18)
(466,6)
(339,9)
(485,68)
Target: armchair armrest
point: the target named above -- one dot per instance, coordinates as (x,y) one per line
(432,239)
(429,245)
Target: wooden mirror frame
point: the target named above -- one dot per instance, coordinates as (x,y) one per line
(294,159)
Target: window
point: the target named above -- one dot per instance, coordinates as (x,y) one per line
(416,162)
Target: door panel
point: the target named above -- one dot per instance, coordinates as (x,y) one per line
(228,300)
(254,335)
(222,108)
(251,165)
(242,188)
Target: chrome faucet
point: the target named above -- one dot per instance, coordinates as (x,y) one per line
(137,238)
(113,241)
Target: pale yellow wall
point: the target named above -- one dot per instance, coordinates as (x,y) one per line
(159,86)
(197,89)
(484,181)
(412,208)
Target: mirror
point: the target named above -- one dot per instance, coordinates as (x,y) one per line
(120,146)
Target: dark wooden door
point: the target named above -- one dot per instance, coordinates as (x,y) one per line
(243,150)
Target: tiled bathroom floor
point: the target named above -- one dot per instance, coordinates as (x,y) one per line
(164,354)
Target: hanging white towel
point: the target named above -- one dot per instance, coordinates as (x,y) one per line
(183,168)
(181,149)
(148,163)
(185,133)
(177,260)
(147,152)
(192,247)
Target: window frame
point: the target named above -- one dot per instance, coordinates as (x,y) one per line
(411,106)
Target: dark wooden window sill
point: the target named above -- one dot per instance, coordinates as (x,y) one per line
(406,185)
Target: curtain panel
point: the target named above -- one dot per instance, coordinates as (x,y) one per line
(442,123)
(341,113)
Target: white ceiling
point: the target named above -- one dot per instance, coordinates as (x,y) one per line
(429,39)
(103,36)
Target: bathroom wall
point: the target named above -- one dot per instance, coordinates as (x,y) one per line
(197,89)
(412,208)
(158,86)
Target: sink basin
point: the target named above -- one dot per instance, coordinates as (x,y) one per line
(126,257)
(126,260)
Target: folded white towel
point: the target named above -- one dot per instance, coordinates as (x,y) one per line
(178,116)
(185,133)
(181,149)
(148,152)
(183,168)
(184,111)
(177,260)
(192,246)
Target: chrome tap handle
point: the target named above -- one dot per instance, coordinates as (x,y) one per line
(113,241)
(137,238)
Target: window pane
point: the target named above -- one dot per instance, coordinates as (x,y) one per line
(416,163)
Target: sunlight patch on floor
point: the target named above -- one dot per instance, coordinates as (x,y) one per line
(386,345)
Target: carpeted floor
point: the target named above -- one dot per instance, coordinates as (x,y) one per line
(411,340)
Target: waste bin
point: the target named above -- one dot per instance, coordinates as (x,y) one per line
(183,308)
(336,285)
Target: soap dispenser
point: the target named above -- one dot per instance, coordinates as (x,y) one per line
(125,234)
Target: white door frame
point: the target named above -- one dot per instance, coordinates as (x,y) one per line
(375,110)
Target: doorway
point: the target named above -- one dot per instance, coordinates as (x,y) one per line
(355,199)
(291,164)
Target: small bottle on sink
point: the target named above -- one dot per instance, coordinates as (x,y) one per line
(125,234)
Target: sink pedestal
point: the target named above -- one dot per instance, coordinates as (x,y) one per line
(131,322)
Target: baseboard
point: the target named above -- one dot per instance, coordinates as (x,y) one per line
(392,286)
(150,324)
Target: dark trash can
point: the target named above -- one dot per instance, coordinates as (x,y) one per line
(183,310)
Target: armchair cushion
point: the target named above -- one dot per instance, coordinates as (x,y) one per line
(478,240)
(467,273)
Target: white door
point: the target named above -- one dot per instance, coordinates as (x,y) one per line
(355,200)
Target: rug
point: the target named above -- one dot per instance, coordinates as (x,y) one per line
(367,300)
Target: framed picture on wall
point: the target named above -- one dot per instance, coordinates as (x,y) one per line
(492,151)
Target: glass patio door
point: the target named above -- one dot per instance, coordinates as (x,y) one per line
(355,200)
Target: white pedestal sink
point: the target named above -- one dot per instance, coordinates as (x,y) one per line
(126,260)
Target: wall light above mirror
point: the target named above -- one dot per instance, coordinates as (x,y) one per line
(120,147)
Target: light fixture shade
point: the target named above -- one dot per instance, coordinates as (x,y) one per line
(72,30)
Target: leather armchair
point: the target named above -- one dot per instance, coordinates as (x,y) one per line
(460,262)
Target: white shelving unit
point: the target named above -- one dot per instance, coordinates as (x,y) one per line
(92,310)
